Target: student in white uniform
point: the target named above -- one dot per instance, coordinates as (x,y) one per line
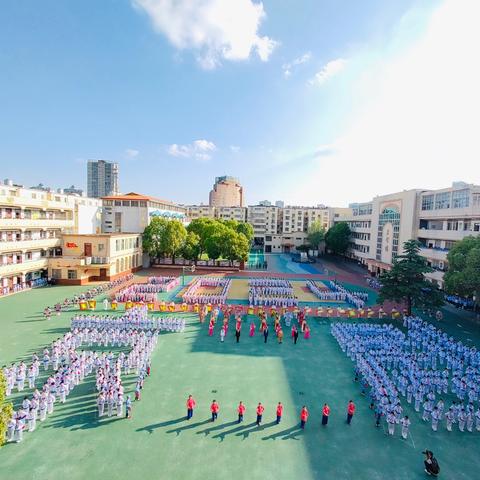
(405,421)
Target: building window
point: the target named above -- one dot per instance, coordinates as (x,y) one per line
(101,247)
(442,200)
(460,198)
(56,273)
(72,274)
(427,202)
(476,199)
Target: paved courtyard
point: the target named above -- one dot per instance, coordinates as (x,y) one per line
(158,443)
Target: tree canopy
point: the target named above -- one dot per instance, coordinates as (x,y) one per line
(227,239)
(337,238)
(463,274)
(316,234)
(406,282)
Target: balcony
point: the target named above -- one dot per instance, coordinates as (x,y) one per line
(442,234)
(434,253)
(26,245)
(24,267)
(15,223)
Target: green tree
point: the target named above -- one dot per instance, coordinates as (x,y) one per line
(175,236)
(337,238)
(155,237)
(6,408)
(235,246)
(246,229)
(463,275)
(203,227)
(406,282)
(316,234)
(191,247)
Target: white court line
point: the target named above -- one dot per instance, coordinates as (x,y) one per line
(411,436)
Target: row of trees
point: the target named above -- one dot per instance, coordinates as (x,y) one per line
(226,239)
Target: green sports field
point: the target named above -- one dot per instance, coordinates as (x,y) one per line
(158,443)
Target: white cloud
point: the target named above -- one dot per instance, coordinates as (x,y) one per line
(329,70)
(199,150)
(131,153)
(289,67)
(215,29)
(418,124)
(234,148)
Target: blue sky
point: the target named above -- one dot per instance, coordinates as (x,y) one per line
(309,101)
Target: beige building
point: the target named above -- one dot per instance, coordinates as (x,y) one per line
(436,218)
(226,192)
(32,223)
(224,213)
(101,257)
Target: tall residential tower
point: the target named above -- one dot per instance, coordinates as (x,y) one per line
(102,178)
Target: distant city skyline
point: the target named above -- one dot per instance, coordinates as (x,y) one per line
(302,101)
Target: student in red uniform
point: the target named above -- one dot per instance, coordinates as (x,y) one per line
(279,412)
(260,410)
(350,411)
(241,411)
(190,406)
(214,408)
(325,414)
(303,417)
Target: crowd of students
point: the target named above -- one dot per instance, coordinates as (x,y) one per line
(325,294)
(108,376)
(66,366)
(135,318)
(193,295)
(166,283)
(356,298)
(422,365)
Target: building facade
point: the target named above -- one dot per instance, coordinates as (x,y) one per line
(436,218)
(100,257)
(32,223)
(102,178)
(132,212)
(226,192)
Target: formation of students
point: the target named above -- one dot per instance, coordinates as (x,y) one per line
(192,294)
(271,292)
(166,283)
(133,319)
(108,376)
(297,320)
(422,366)
(324,294)
(67,366)
(90,294)
(355,298)
(139,292)
(277,412)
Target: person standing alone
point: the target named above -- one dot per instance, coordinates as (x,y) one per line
(325,414)
(190,406)
(350,411)
(303,417)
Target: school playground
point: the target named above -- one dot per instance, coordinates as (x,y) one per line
(158,443)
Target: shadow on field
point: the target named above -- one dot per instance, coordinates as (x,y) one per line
(154,426)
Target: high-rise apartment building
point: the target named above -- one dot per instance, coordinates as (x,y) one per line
(102,178)
(226,192)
